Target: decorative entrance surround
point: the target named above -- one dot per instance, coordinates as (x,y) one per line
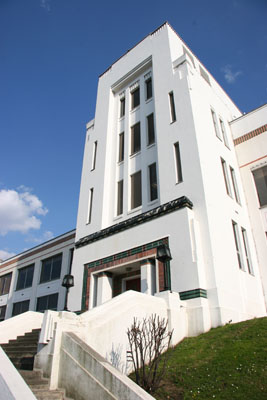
(143,253)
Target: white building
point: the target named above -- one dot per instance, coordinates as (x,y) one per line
(160,168)
(250,139)
(31,281)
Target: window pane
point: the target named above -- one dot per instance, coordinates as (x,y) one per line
(135,138)
(260,177)
(237,246)
(236,192)
(20,307)
(41,304)
(150,129)
(135,95)
(172,107)
(94,156)
(120,198)
(148,88)
(215,123)
(5,282)
(52,301)
(51,268)
(46,270)
(153,182)
(25,277)
(121,147)
(47,302)
(224,133)
(122,107)
(226,178)
(2,313)
(136,190)
(90,206)
(178,165)
(247,251)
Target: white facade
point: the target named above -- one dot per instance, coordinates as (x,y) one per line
(181,187)
(31,281)
(250,138)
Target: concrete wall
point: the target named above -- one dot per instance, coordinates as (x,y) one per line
(83,371)
(12,385)
(19,325)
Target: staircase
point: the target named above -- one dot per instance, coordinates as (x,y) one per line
(21,352)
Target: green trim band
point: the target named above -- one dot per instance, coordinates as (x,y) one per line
(193,294)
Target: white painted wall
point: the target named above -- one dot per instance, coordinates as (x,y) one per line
(19,325)
(252,154)
(12,385)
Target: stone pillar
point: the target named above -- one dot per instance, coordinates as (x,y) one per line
(148,276)
(104,288)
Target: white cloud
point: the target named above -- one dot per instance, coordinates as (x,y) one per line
(5,254)
(229,75)
(46,5)
(47,235)
(18,211)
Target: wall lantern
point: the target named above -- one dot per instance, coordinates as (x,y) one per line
(163,253)
(68,282)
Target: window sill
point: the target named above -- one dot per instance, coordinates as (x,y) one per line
(134,210)
(118,217)
(121,118)
(151,145)
(135,109)
(149,100)
(153,202)
(135,154)
(120,162)
(172,122)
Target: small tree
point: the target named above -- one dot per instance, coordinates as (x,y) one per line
(149,340)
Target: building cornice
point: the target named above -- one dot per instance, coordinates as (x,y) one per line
(166,208)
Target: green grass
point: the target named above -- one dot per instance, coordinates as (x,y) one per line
(228,362)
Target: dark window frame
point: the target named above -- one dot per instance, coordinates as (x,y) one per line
(153,184)
(121,147)
(20,307)
(150,129)
(178,163)
(172,107)
(135,98)
(47,299)
(149,91)
(120,197)
(135,138)
(5,282)
(28,272)
(136,190)
(122,107)
(51,273)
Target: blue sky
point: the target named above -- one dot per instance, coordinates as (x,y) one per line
(51,54)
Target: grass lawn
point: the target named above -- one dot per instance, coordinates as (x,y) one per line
(228,362)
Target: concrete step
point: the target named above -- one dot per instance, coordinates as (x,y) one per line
(20,349)
(43,394)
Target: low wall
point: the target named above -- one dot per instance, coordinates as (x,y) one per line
(12,385)
(82,370)
(19,325)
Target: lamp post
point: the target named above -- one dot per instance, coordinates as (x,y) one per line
(164,255)
(68,282)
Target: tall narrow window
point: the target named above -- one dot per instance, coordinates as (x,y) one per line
(120,198)
(121,147)
(247,251)
(5,281)
(122,107)
(224,135)
(150,129)
(236,192)
(135,138)
(226,178)
(148,88)
(94,156)
(215,123)
(136,190)
(153,186)
(260,178)
(90,205)
(237,245)
(178,165)
(135,98)
(172,107)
